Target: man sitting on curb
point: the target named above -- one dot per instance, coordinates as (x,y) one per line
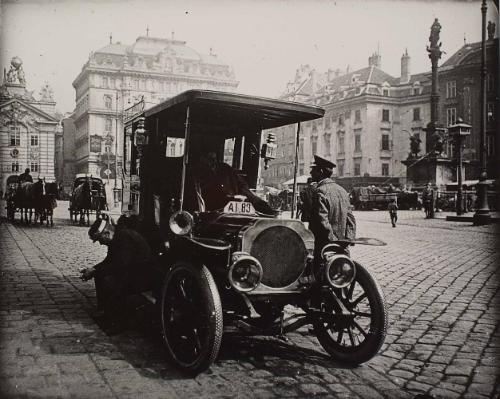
(125,270)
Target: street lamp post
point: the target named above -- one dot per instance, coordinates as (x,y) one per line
(116,190)
(459,131)
(482,215)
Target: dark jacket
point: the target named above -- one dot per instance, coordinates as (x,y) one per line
(330,205)
(129,258)
(306,196)
(214,189)
(392,207)
(25,177)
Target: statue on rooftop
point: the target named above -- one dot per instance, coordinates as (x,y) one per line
(16,73)
(46,93)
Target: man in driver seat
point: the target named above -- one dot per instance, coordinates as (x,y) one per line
(216,183)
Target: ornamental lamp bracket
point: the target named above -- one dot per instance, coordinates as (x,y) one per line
(140,135)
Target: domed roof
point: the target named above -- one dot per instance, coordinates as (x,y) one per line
(152,46)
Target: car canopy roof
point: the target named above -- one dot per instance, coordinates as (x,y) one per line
(232,112)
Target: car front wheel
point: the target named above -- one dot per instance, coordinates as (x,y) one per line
(191,317)
(357,335)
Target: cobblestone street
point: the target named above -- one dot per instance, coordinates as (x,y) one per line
(440,280)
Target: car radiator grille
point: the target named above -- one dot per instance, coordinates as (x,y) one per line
(282,253)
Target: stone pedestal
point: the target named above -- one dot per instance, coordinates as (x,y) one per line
(435,170)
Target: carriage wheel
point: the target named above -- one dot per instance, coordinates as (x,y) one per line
(191,317)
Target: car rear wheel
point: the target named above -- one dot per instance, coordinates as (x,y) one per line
(355,338)
(191,317)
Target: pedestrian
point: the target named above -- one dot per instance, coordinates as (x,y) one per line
(330,207)
(393,211)
(126,270)
(428,201)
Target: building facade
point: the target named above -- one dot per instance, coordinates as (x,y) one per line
(27,128)
(460,90)
(370,117)
(117,76)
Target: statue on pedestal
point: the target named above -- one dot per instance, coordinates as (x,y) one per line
(434,49)
(414,146)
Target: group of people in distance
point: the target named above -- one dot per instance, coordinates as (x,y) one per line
(124,271)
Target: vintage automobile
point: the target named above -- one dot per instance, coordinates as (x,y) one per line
(88,196)
(235,268)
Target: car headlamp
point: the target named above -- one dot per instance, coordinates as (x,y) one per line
(245,273)
(181,223)
(340,270)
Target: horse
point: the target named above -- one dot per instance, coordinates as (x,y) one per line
(47,202)
(82,201)
(28,198)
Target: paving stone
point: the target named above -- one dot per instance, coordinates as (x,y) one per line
(442,315)
(418,387)
(481,389)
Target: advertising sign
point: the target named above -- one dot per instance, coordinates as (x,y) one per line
(95,143)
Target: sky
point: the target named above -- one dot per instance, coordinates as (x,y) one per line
(265,41)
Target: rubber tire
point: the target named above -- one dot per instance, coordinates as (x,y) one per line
(378,326)
(211,299)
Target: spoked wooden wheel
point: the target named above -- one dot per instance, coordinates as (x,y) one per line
(357,335)
(191,317)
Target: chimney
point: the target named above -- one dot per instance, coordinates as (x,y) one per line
(375,60)
(331,74)
(405,68)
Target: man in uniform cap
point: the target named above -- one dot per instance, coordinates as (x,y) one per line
(330,206)
(125,270)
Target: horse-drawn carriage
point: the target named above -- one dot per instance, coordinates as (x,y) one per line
(26,197)
(87,196)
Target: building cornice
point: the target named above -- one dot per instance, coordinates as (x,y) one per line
(365,98)
(155,74)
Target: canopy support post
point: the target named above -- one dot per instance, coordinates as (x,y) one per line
(296,168)
(185,159)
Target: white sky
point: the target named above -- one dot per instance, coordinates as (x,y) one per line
(264,40)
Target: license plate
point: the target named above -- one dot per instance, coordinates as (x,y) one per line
(242,208)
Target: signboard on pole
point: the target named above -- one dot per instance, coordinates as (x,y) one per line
(95,143)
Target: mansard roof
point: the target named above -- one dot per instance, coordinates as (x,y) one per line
(466,54)
(152,46)
(114,48)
